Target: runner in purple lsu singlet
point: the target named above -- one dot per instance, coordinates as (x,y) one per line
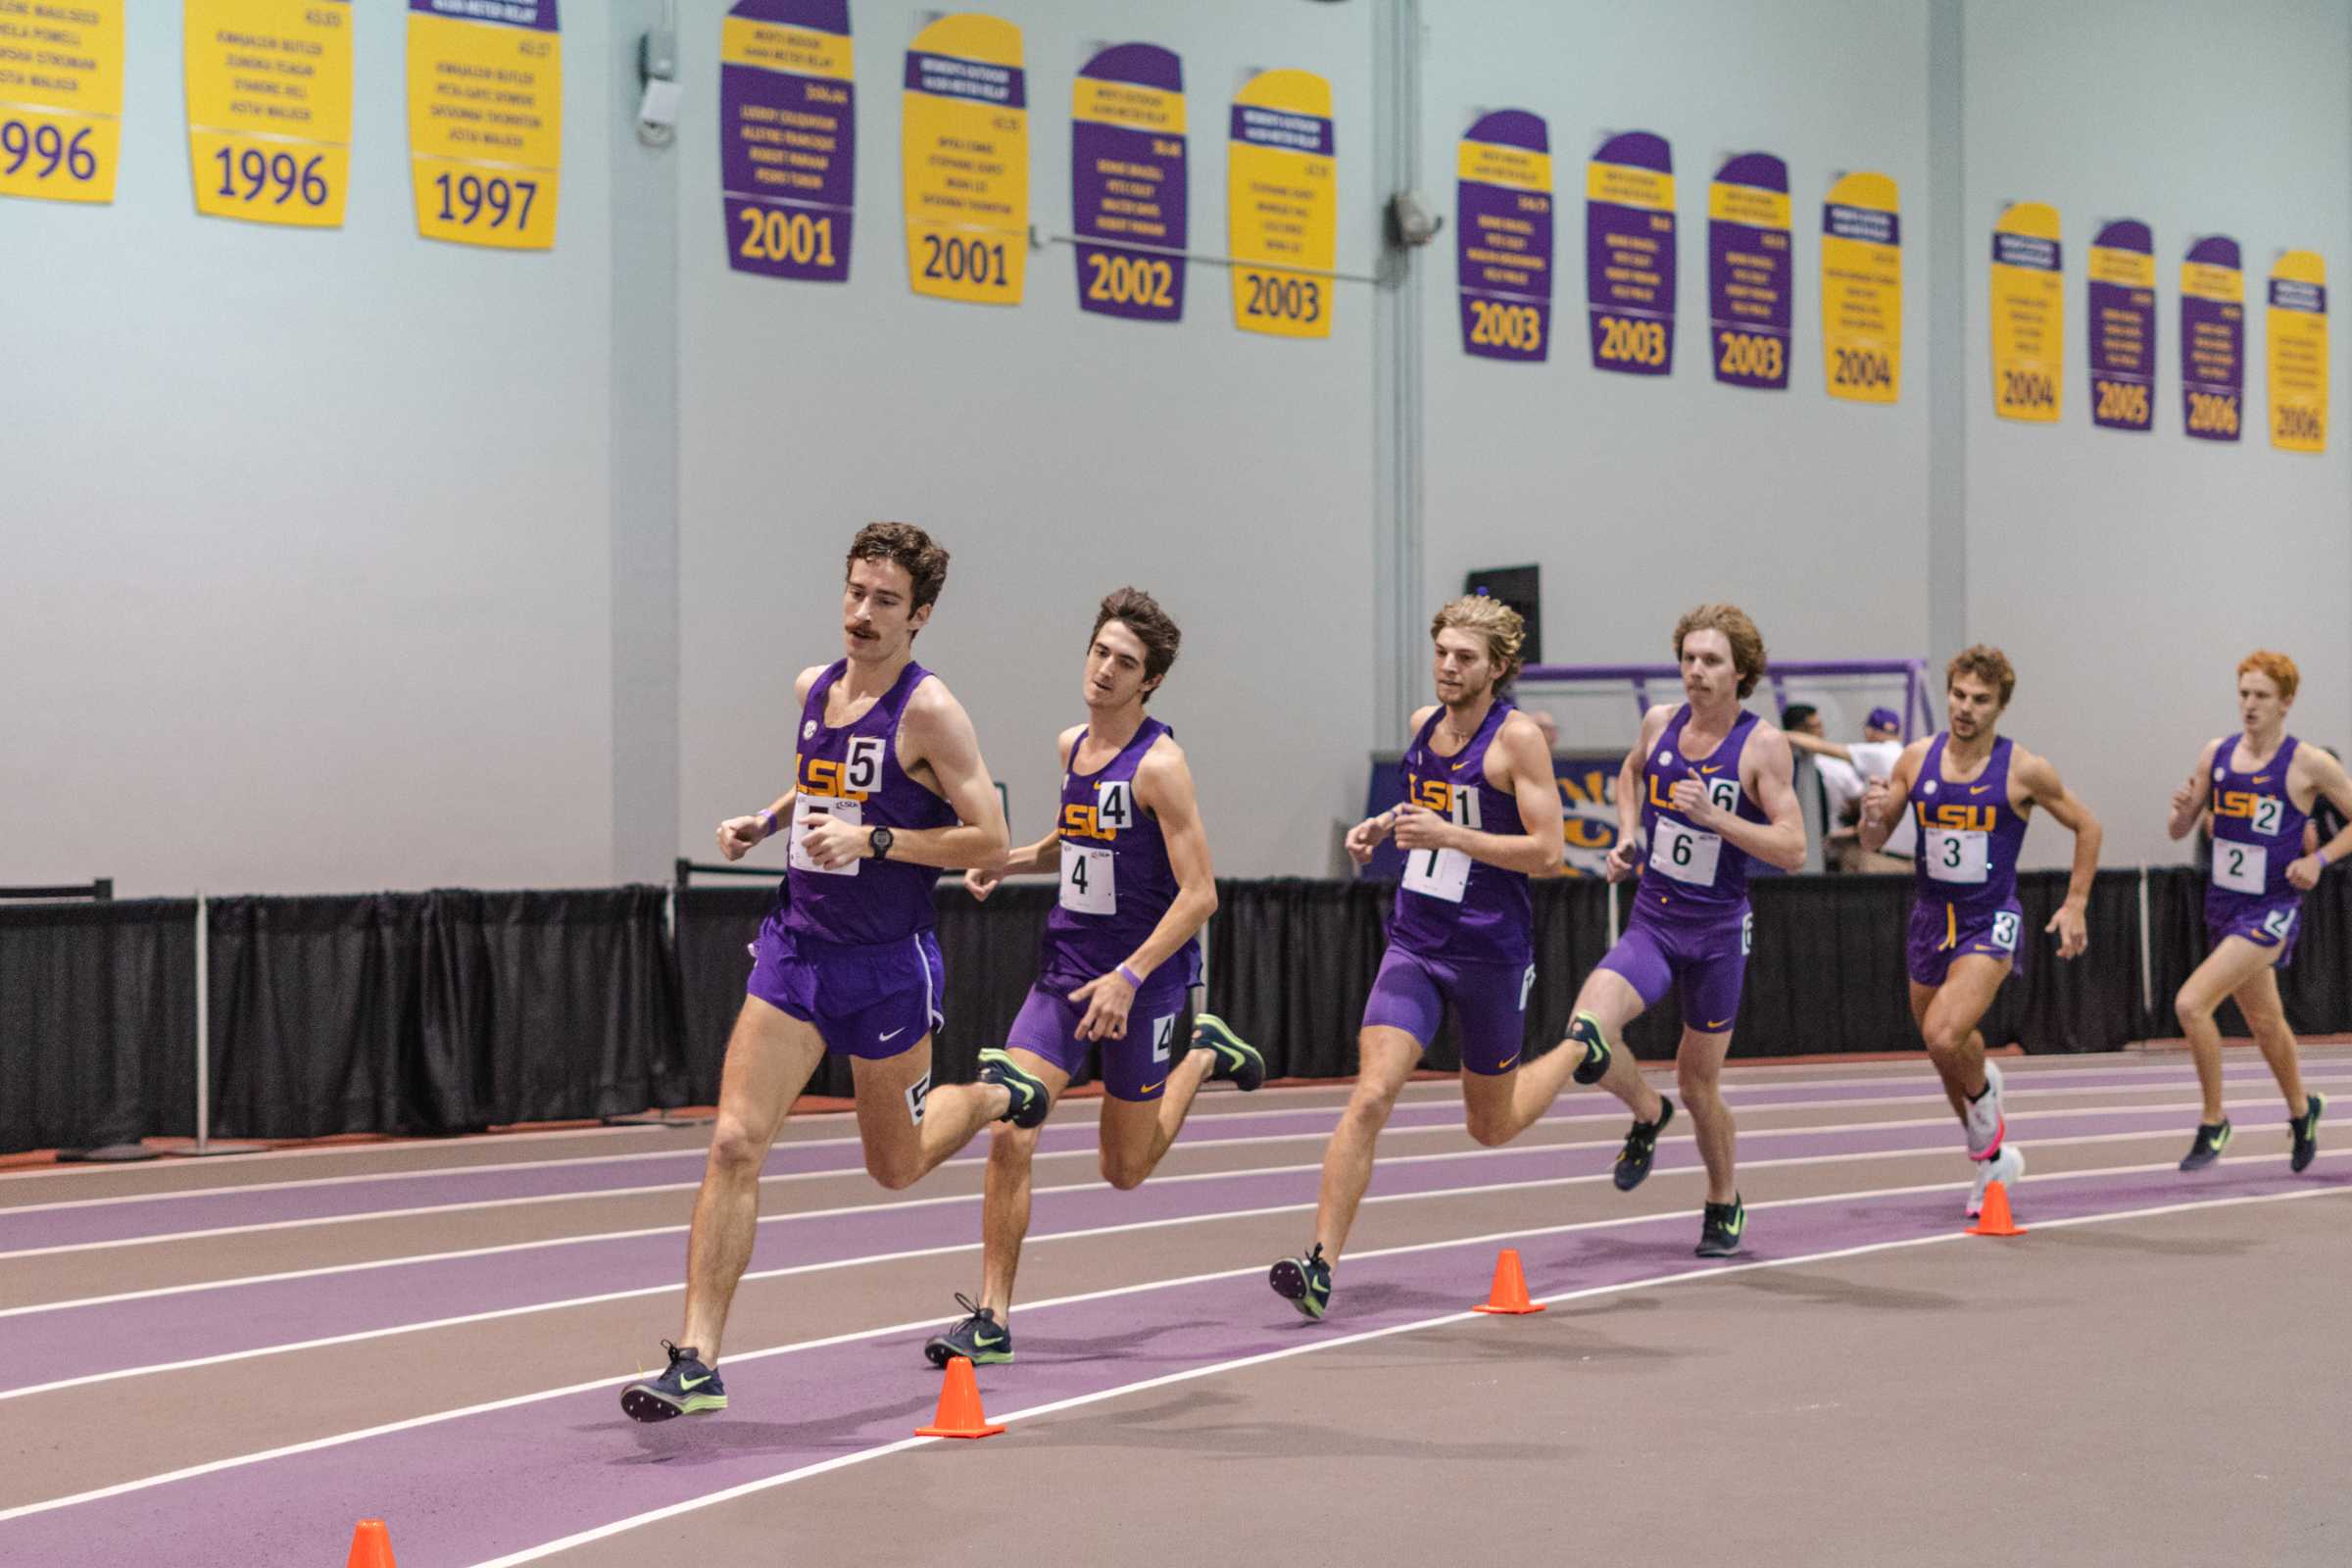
(1117,884)
(1969,837)
(1463,930)
(1691,928)
(2257,833)
(851,951)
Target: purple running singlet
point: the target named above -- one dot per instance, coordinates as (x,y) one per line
(1965,897)
(2257,832)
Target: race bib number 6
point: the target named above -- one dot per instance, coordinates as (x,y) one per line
(1685,853)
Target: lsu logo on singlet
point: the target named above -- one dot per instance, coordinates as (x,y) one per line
(1953,817)
(1724,791)
(1458,806)
(852,778)
(1113,809)
(2261,810)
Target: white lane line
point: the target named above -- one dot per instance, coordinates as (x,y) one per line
(1309,1348)
(950,1249)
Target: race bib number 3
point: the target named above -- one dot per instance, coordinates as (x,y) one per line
(806,809)
(1087,885)
(2241,867)
(1957,855)
(1683,854)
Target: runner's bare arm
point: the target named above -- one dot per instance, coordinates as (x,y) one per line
(1885,800)
(935,739)
(737,834)
(1365,836)
(2188,801)
(1624,853)
(1163,786)
(1818,747)
(1766,774)
(2336,786)
(2042,786)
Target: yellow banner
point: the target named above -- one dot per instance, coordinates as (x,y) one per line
(1862,290)
(2297,337)
(60,99)
(776,46)
(1282,199)
(2029,314)
(269,86)
(485,127)
(964,151)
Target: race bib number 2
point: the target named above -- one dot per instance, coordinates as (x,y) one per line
(2241,867)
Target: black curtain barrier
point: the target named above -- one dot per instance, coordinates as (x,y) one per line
(97,1022)
(2316,988)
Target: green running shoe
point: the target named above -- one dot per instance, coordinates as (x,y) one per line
(1303,1282)
(979,1339)
(2305,1129)
(1030,1098)
(1584,1030)
(1641,1147)
(2212,1138)
(1237,1060)
(687,1388)
(1722,1227)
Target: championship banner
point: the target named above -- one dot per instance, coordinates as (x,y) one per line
(787,138)
(1628,255)
(1282,195)
(2028,313)
(268,90)
(1502,216)
(964,151)
(60,99)
(1862,290)
(2212,340)
(2297,340)
(486,121)
(1749,271)
(1588,784)
(1127,183)
(2122,326)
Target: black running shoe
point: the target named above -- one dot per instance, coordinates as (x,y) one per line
(1030,1098)
(979,1339)
(2212,1139)
(2305,1129)
(1641,1146)
(1721,1228)
(1303,1282)
(1584,1030)
(687,1388)
(1237,1060)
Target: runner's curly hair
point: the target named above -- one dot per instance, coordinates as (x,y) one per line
(1481,614)
(1141,615)
(1747,643)
(904,545)
(2281,669)
(1989,664)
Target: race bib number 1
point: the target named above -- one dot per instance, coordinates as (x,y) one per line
(1437,874)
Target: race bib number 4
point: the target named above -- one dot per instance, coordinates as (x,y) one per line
(806,809)
(1957,855)
(2241,867)
(1087,885)
(1685,853)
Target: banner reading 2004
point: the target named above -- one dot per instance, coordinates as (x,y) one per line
(2298,353)
(1502,214)
(485,121)
(1282,204)
(1748,271)
(60,99)
(2028,313)
(1127,183)
(2212,340)
(1629,254)
(787,137)
(1862,290)
(965,160)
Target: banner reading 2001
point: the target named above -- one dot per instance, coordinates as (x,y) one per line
(2298,353)
(61,103)
(2213,339)
(486,121)
(1127,183)
(268,88)
(2028,313)
(965,160)
(1862,290)
(1748,271)
(1282,204)
(2122,326)
(1629,254)
(787,137)
(1502,214)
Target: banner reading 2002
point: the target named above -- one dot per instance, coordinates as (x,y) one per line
(486,121)
(60,99)
(2028,313)
(2212,340)
(1127,183)
(1748,271)
(1862,290)
(1502,214)
(965,160)
(787,137)
(1282,204)
(1629,254)
(2298,353)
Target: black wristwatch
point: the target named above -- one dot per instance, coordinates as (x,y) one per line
(878,840)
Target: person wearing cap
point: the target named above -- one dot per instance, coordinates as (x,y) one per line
(1845,772)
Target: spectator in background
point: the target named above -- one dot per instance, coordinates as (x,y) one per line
(1845,772)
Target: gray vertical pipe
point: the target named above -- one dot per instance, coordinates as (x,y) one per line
(203,1024)
(1397,385)
(1952,269)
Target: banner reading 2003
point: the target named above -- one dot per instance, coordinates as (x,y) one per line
(1502,214)
(1282,204)
(486,121)
(1862,290)
(2298,353)
(60,99)
(2213,339)
(787,137)
(269,87)
(965,160)
(2122,326)
(1127,183)
(1748,271)
(1629,254)
(2028,313)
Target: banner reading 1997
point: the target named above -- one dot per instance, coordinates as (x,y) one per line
(964,158)
(1282,204)
(1127,183)
(1629,254)
(60,99)
(2028,313)
(1502,214)
(269,89)
(2213,339)
(486,121)
(1862,290)
(2122,326)
(1749,271)
(787,137)
(2298,353)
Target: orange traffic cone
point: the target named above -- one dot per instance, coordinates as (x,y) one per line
(1996,1220)
(370,1545)
(959,1407)
(1509,1294)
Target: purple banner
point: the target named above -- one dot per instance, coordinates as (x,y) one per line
(2286,294)
(2122,327)
(953,77)
(1127,183)
(1751,272)
(2213,341)
(537,14)
(1282,128)
(787,142)
(1503,251)
(1628,255)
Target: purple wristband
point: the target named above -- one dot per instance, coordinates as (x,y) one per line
(1131,977)
(767,823)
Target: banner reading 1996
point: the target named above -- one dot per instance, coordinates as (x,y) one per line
(1749,271)
(964,158)
(1629,254)
(1127,183)
(2028,313)
(1862,290)
(1502,214)
(2297,338)
(268,88)
(486,121)
(2213,339)
(1282,204)
(787,138)
(60,99)
(2122,326)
